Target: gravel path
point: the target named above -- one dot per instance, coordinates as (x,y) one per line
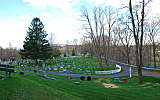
(124,73)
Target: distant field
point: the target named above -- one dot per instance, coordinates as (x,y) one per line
(32,87)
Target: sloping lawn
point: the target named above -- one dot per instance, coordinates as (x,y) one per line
(32,87)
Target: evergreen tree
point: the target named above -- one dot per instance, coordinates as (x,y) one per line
(73,52)
(36,46)
(56,52)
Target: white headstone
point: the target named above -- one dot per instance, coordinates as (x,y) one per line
(55,69)
(64,70)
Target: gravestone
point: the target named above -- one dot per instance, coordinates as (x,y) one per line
(55,69)
(67,71)
(88,71)
(64,70)
(43,65)
(41,73)
(117,80)
(49,68)
(77,83)
(60,71)
(125,80)
(51,78)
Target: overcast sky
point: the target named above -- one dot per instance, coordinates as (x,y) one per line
(60,17)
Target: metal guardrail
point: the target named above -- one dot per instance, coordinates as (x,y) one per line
(110,71)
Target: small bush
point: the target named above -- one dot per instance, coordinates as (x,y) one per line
(21,73)
(82,78)
(64,55)
(35,71)
(88,78)
(73,52)
(1,77)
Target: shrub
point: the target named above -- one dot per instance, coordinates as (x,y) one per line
(1,77)
(88,78)
(35,71)
(21,73)
(82,78)
(73,52)
(56,52)
(64,55)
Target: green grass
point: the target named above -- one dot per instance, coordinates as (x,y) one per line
(32,87)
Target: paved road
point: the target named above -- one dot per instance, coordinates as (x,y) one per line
(153,74)
(124,73)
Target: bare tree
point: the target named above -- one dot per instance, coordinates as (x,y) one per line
(51,38)
(153,29)
(111,19)
(86,47)
(75,42)
(126,39)
(94,28)
(137,19)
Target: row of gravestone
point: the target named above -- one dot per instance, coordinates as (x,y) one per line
(20,62)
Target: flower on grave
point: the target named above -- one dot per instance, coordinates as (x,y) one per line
(49,68)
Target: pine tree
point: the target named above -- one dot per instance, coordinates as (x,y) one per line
(36,46)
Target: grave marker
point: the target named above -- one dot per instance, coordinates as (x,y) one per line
(117,80)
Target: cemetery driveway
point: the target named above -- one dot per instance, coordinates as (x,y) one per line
(147,73)
(125,72)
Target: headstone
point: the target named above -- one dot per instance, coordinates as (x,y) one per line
(64,70)
(51,78)
(55,69)
(41,74)
(49,68)
(43,65)
(60,71)
(88,71)
(67,71)
(117,80)
(77,83)
(125,80)
(68,66)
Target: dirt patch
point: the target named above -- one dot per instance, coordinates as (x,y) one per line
(110,85)
(102,79)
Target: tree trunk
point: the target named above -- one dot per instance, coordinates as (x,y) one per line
(154,54)
(140,66)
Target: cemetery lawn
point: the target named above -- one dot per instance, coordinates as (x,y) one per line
(75,65)
(32,87)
